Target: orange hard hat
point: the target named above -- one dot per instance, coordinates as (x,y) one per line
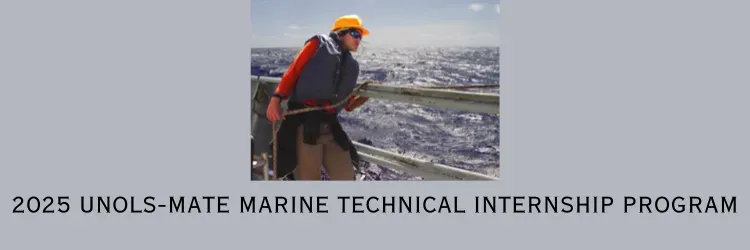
(350,21)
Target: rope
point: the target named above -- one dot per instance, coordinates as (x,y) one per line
(305,110)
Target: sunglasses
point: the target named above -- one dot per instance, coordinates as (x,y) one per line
(356,34)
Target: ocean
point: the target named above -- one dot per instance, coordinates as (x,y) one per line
(460,139)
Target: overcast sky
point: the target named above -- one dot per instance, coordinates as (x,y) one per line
(392,23)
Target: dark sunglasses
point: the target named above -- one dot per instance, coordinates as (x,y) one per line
(355,33)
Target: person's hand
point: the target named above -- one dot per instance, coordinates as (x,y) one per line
(356,101)
(273,113)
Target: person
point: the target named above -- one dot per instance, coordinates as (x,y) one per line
(323,73)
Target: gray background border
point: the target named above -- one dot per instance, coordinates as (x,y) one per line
(151,98)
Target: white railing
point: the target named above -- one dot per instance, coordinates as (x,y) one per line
(449,99)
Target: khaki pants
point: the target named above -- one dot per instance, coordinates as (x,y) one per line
(326,152)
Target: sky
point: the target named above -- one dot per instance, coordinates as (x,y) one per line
(392,23)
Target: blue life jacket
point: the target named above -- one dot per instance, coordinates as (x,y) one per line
(330,74)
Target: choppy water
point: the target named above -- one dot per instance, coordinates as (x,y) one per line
(460,139)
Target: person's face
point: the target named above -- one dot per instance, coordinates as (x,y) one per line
(351,39)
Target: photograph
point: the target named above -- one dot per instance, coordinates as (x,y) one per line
(370,90)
